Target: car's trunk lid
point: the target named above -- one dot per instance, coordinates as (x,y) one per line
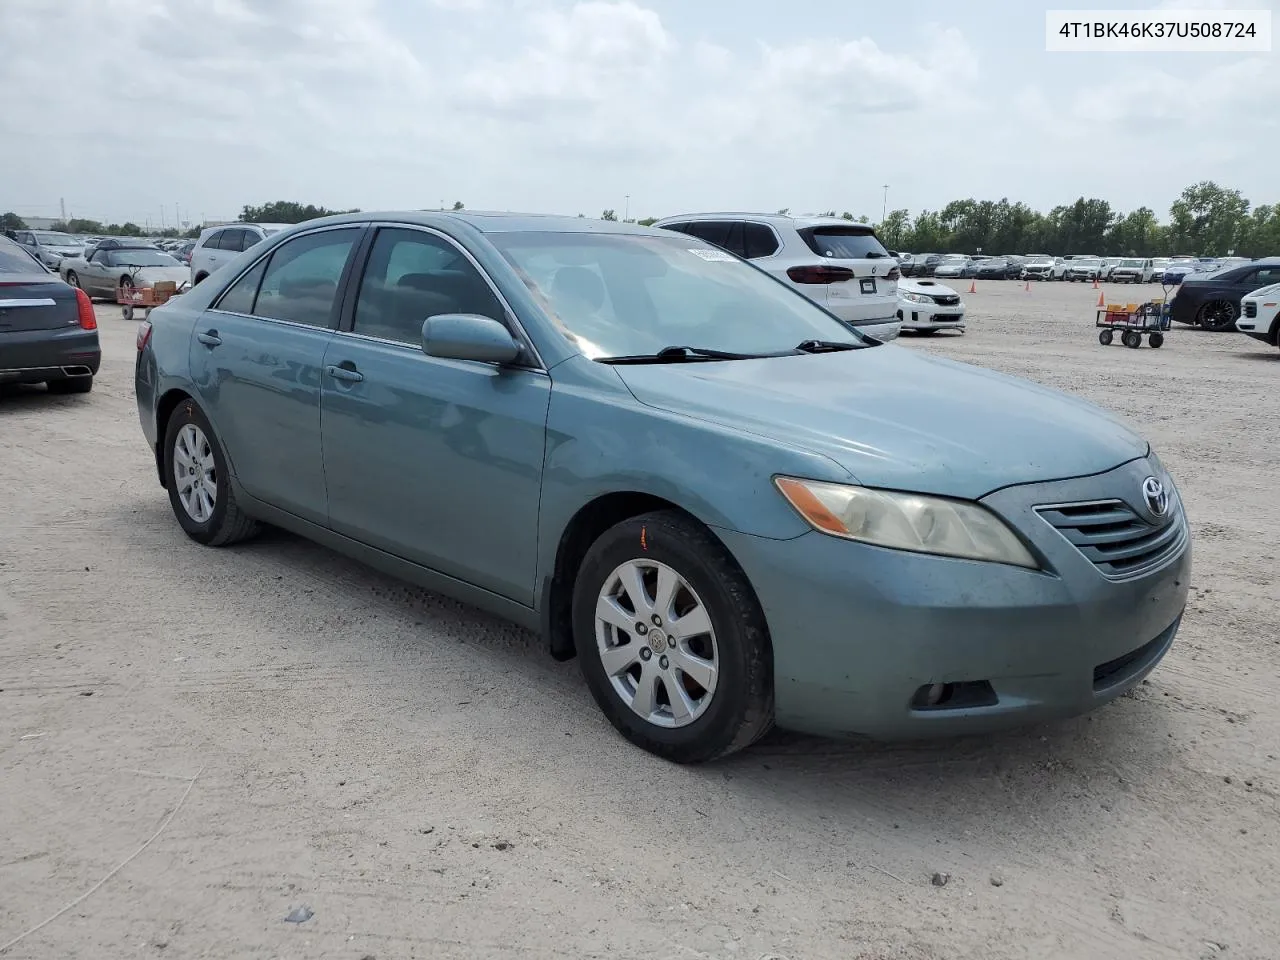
(38,303)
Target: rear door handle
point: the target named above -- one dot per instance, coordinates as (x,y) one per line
(344,372)
(209,338)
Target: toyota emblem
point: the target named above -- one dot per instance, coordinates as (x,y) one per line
(1157,497)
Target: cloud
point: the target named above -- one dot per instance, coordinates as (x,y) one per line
(561,105)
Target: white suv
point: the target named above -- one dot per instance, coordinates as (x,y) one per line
(838,264)
(1260,315)
(218,246)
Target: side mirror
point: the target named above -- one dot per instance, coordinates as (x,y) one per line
(465,336)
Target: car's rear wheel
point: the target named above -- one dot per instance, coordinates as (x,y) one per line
(70,385)
(672,641)
(1218,316)
(199,483)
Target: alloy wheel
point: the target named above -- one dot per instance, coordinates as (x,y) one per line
(195,473)
(656,643)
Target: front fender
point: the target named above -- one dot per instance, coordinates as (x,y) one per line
(601,441)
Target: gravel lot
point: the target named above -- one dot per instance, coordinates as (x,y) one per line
(302,731)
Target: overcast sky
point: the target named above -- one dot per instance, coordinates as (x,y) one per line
(122,107)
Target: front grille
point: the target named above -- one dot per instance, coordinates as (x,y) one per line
(1115,538)
(1250,308)
(947,300)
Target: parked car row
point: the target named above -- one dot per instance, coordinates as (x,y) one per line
(1169,271)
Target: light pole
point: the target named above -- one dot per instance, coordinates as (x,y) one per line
(626,208)
(884,210)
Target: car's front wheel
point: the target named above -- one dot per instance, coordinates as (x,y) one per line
(671,638)
(199,483)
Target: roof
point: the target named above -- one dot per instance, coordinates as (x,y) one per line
(777,219)
(491,222)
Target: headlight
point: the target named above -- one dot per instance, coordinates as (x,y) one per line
(906,521)
(916,297)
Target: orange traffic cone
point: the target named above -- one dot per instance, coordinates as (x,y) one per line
(1027,287)
(973,286)
(1102,300)
(1095,283)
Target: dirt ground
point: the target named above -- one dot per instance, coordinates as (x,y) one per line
(289,729)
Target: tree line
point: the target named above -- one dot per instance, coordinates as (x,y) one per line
(1206,220)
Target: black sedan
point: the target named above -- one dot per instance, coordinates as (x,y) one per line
(1213,299)
(48,333)
(998,268)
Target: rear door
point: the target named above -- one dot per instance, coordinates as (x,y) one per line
(256,358)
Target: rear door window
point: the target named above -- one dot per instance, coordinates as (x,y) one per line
(844,243)
(302,277)
(240,296)
(716,232)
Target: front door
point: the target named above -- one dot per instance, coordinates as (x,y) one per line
(256,358)
(436,461)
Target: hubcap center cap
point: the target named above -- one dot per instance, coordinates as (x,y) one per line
(657,641)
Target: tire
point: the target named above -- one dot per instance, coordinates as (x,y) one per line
(73,279)
(199,278)
(225,523)
(1219,316)
(1131,338)
(70,385)
(1105,337)
(737,708)
(1156,340)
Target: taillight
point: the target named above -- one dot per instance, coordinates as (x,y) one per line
(144,334)
(85,307)
(893,274)
(820,274)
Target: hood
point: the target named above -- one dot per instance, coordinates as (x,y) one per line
(1269,292)
(156,274)
(926,286)
(898,419)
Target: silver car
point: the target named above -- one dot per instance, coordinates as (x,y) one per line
(113,272)
(49,246)
(839,264)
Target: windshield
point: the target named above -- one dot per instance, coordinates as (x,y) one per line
(1041,261)
(615,295)
(56,239)
(1130,263)
(144,258)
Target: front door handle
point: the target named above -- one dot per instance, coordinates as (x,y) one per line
(209,338)
(344,371)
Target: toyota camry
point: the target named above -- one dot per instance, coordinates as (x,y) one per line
(731,507)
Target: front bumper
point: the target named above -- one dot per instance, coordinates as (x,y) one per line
(922,316)
(858,631)
(36,356)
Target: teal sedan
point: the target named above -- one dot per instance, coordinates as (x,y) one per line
(733,509)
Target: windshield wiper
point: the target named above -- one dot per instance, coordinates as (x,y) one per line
(825,346)
(685,355)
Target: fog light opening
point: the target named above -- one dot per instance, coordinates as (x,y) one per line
(954,696)
(935,694)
